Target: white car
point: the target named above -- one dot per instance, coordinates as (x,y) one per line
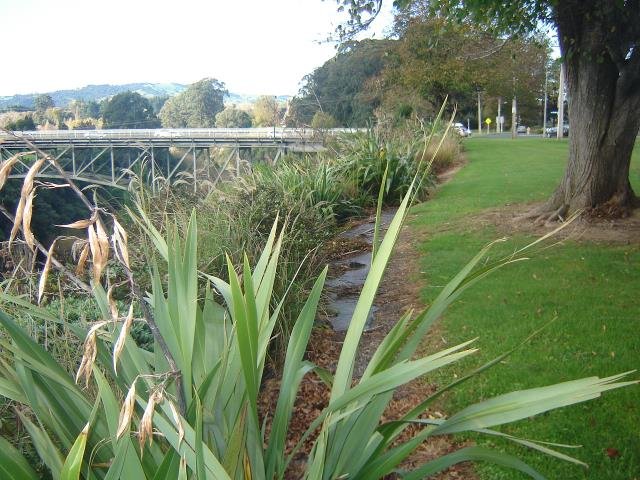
(461,130)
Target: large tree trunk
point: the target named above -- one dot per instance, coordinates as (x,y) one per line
(604,112)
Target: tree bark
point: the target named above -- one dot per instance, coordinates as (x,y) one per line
(603,82)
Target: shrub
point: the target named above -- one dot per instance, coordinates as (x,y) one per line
(383,160)
(25,123)
(322,121)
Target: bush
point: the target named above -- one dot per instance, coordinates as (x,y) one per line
(323,121)
(25,123)
(382,160)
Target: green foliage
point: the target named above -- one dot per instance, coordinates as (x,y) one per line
(387,160)
(208,422)
(435,58)
(521,17)
(23,124)
(129,110)
(266,111)
(89,109)
(83,124)
(322,120)
(196,107)
(43,102)
(232,117)
(343,86)
(590,286)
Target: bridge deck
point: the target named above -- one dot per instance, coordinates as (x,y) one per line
(201,137)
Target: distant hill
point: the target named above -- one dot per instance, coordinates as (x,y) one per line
(61,98)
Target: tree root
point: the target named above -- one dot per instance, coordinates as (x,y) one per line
(617,207)
(545,215)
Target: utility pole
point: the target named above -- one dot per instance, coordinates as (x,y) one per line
(498,122)
(514,116)
(479,115)
(544,112)
(561,102)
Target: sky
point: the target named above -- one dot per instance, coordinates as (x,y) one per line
(253,46)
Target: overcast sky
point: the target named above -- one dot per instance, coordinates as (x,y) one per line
(254,46)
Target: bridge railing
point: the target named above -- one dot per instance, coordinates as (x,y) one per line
(268,133)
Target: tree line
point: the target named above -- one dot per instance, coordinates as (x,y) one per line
(201,105)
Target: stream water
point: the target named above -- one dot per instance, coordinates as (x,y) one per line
(344,288)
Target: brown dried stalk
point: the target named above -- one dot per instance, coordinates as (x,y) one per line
(126,412)
(178,420)
(45,271)
(75,279)
(83,259)
(5,169)
(90,352)
(118,346)
(65,176)
(146,423)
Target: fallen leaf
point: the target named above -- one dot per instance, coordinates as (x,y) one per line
(612,452)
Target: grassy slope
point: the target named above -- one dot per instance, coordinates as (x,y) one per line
(592,289)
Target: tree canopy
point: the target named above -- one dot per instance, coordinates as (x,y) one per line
(233,117)
(266,111)
(434,59)
(42,102)
(341,87)
(23,124)
(129,110)
(599,41)
(196,107)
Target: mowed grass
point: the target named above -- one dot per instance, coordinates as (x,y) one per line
(591,288)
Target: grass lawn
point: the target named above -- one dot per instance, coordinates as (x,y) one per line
(591,288)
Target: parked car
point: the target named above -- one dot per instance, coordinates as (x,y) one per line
(553,132)
(521,129)
(461,130)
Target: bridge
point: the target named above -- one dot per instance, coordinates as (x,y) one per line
(110,157)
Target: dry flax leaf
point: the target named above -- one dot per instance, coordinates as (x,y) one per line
(17,220)
(126,412)
(99,252)
(45,271)
(93,246)
(146,423)
(88,358)
(83,259)
(5,168)
(78,224)
(102,244)
(90,352)
(27,187)
(178,420)
(119,240)
(115,315)
(119,345)
(26,221)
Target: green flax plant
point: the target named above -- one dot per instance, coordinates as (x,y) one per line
(389,160)
(189,409)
